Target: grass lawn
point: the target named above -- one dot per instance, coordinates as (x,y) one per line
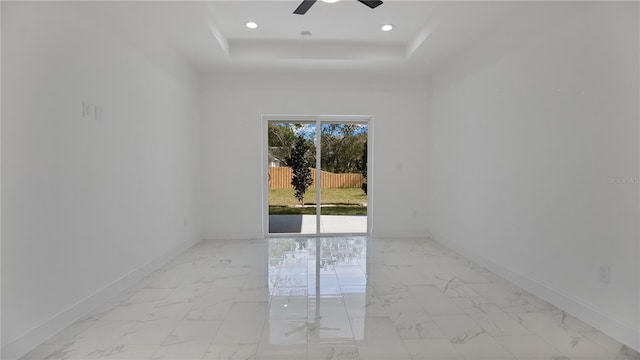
(328,210)
(343,202)
(284,197)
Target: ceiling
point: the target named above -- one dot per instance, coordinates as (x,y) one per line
(344,36)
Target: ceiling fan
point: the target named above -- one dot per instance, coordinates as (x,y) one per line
(305,5)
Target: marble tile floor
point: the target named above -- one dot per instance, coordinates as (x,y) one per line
(328,298)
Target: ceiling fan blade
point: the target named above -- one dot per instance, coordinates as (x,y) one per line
(371,3)
(304,6)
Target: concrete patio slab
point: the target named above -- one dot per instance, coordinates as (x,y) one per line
(306,224)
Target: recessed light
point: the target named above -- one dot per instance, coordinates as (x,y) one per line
(251,25)
(330,1)
(387,27)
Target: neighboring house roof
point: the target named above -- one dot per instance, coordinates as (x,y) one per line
(276,156)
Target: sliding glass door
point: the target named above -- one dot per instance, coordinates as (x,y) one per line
(317,175)
(292,204)
(343,165)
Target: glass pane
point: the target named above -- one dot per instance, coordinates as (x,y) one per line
(291,163)
(343,180)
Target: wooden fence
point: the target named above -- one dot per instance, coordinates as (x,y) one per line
(280,178)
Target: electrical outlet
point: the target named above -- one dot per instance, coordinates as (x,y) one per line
(604,274)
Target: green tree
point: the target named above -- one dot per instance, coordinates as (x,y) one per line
(299,163)
(342,146)
(281,138)
(362,167)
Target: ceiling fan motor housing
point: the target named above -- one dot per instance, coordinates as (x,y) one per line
(305,5)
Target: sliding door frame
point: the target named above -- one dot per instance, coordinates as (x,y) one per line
(317,120)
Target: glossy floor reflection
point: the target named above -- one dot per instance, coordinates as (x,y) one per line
(328,298)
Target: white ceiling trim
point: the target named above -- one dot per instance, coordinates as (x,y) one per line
(315,50)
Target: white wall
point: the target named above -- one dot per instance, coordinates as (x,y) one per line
(534,155)
(233,105)
(88,206)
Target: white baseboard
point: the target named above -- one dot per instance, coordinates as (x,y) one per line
(233,236)
(625,333)
(36,336)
